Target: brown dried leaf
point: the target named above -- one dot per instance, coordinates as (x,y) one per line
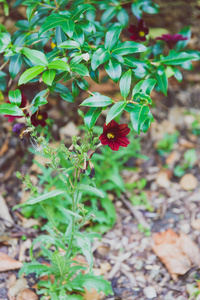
(163,179)
(196,224)
(27,294)
(178,253)
(93,295)
(188,182)
(8,263)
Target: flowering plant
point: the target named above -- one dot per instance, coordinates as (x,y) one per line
(64,41)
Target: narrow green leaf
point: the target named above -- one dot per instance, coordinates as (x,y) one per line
(108,14)
(114,69)
(15,97)
(10,109)
(44,197)
(144,86)
(59,264)
(123,17)
(30,74)
(112,37)
(69,212)
(84,244)
(125,83)
(35,56)
(48,76)
(80,10)
(99,57)
(90,189)
(175,58)
(15,65)
(59,64)
(115,110)
(129,48)
(91,116)
(97,101)
(52,21)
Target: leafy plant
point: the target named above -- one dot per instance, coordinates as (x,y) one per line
(190,159)
(165,145)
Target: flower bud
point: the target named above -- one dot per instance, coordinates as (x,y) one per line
(57,160)
(41,139)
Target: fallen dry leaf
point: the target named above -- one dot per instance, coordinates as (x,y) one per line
(162,179)
(172,158)
(4,213)
(7,263)
(93,295)
(188,182)
(196,224)
(19,285)
(178,253)
(27,294)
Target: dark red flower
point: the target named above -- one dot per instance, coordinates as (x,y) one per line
(171,40)
(23,104)
(139,32)
(114,135)
(38,118)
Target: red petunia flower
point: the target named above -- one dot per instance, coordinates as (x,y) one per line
(171,40)
(38,118)
(114,135)
(139,32)
(23,104)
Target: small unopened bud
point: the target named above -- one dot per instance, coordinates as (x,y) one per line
(46,151)
(18,175)
(57,160)
(41,139)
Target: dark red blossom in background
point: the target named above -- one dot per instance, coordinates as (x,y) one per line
(22,105)
(114,135)
(171,40)
(139,32)
(38,118)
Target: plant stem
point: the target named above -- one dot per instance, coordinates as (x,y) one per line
(4,64)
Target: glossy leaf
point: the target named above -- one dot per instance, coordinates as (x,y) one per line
(162,79)
(144,86)
(30,74)
(48,76)
(115,110)
(175,58)
(80,10)
(52,21)
(91,116)
(59,64)
(112,37)
(123,17)
(125,83)
(10,109)
(15,97)
(99,57)
(108,14)
(37,57)
(114,69)
(97,101)
(15,65)
(80,69)
(129,48)
(138,116)
(186,32)
(68,27)
(69,45)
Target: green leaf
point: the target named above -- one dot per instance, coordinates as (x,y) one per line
(80,10)
(99,57)
(30,74)
(90,281)
(69,212)
(52,21)
(123,17)
(91,116)
(15,97)
(80,69)
(175,58)
(34,267)
(112,37)
(115,110)
(59,265)
(186,32)
(138,114)
(67,97)
(84,244)
(90,189)
(162,79)
(35,56)
(178,75)
(10,109)
(97,101)
(125,84)
(48,76)
(15,65)
(129,48)
(68,27)
(144,86)
(78,35)
(59,65)
(70,45)
(108,14)
(46,196)
(114,69)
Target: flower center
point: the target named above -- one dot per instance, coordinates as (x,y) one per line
(141,33)
(110,135)
(39,117)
